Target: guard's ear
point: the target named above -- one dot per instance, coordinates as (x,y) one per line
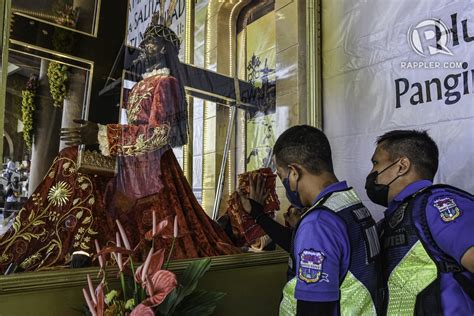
(404,166)
(295,170)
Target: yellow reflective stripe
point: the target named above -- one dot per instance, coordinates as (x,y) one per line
(288,303)
(355,297)
(411,276)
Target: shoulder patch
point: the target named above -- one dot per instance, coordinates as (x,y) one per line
(398,215)
(311,266)
(447,208)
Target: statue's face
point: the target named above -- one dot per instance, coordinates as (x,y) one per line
(153,52)
(153,48)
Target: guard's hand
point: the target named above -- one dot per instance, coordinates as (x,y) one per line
(257,192)
(86,134)
(293,215)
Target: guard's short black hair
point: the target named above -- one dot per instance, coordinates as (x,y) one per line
(416,145)
(304,145)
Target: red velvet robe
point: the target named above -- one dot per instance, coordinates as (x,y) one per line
(63,215)
(150,174)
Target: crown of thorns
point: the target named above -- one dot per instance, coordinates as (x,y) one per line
(154,31)
(159,26)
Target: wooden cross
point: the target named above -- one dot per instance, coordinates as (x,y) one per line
(200,83)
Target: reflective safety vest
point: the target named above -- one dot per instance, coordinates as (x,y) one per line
(410,272)
(360,286)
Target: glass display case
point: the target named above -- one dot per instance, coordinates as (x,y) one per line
(242,87)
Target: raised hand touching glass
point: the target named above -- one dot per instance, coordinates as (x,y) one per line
(86,134)
(257,192)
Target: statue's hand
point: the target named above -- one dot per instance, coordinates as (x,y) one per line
(86,134)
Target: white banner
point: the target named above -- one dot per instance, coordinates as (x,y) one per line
(399,64)
(139,16)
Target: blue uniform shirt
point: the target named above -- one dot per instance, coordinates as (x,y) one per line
(450,219)
(321,250)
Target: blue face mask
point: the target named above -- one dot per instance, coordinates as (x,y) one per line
(292,196)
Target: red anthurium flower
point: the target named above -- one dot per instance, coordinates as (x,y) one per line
(123,235)
(118,255)
(154,224)
(113,249)
(157,229)
(162,283)
(142,310)
(100,295)
(158,283)
(90,303)
(153,263)
(95,299)
(175,227)
(99,256)
(91,290)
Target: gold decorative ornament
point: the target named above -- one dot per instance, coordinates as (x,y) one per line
(93,162)
(55,212)
(158,139)
(139,94)
(59,194)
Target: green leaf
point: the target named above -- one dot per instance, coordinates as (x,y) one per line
(187,285)
(170,301)
(200,302)
(194,272)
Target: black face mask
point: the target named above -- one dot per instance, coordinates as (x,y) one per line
(378,193)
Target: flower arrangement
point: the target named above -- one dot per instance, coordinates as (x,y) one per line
(63,40)
(57,77)
(152,290)
(67,16)
(28,109)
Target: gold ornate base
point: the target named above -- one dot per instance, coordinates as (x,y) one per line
(93,162)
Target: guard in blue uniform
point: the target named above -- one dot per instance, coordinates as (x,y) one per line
(427,234)
(333,266)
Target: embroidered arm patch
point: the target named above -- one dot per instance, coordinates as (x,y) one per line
(311,266)
(448,210)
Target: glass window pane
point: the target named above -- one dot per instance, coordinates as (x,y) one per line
(80,15)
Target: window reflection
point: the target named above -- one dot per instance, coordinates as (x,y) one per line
(80,15)
(257,65)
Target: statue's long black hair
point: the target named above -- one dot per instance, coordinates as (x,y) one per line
(179,124)
(180,136)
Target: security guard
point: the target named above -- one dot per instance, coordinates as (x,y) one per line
(334,249)
(427,234)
